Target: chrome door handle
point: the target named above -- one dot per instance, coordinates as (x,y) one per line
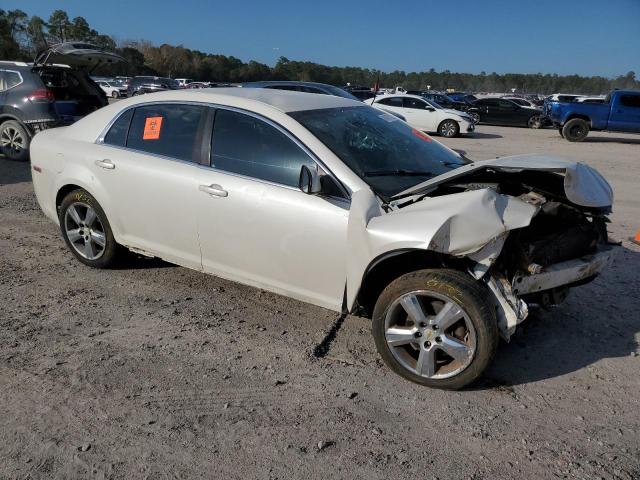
(213,190)
(106,163)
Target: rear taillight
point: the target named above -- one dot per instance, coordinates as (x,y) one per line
(41,95)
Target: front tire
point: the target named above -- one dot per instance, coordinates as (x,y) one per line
(436,328)
(14,140)
(449,128)
(575,130)
(86,230)
(115,94)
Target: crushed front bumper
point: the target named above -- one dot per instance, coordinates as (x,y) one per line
(506,295)
(564,273)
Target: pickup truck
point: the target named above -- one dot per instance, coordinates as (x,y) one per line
(620,112)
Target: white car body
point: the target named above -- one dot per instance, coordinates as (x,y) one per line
(317,248)
(111,90)
(426,119)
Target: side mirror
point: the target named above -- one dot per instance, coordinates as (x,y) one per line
(309,181)
(430,109)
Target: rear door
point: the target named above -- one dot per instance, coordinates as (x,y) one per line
(625,113)
(256,226)
(147,164)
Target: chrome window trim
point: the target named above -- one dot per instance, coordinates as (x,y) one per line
(293,138)
(17,84)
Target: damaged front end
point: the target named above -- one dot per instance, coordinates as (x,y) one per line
(529,227)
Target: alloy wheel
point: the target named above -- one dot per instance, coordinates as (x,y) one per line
(12,141)
(84,230)
(430,334)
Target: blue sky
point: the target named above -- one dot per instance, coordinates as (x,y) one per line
(586,37)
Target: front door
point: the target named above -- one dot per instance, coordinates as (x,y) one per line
(420,115)
(256,226)
(625,113)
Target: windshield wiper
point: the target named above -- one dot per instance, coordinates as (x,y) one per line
(398,172)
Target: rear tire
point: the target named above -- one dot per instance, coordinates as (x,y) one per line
(86,230)
(458,320)
(535,121)
(14,141)
(575,130)
(449,128)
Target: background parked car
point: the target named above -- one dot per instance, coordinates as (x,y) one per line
(307,87)
(183,81)
(141,85)
(499,111)
(425,116)
(47,93)
(111,89)
(462,97)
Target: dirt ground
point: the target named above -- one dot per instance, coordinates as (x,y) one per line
(155,371)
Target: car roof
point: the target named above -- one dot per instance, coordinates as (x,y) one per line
(401,95)
(283,100)
(267,83)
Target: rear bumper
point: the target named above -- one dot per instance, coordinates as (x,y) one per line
(564,273)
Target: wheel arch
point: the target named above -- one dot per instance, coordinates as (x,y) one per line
(390,265)
(573,116)
(70,185)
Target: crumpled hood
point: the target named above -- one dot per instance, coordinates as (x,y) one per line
(583,185)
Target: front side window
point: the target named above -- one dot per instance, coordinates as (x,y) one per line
(171,130)
(386,153)
(248,146)
(414,103)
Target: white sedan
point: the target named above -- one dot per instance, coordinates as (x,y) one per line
(111,90)
(332,202)
(426,116)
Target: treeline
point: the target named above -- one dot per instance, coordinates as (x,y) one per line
(22,37)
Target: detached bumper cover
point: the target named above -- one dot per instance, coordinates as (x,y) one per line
(564,273)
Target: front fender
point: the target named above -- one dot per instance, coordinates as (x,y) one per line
(458,224)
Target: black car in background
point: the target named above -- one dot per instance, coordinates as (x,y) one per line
(141,85)
(53,91)
(500,111)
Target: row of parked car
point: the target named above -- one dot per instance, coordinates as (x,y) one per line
(56,90)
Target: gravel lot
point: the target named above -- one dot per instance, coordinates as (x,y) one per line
(155,371)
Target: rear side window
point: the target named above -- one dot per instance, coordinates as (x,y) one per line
(9,79)
(117,134)
(170,130)
(248,146)
(392,102)
(630,100)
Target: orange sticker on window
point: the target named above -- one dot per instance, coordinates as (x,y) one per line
(152,127)
(421,135)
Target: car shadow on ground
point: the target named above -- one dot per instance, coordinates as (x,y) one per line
(596,322)
(625,141)
(13,171)
(483,136)
(134,261)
